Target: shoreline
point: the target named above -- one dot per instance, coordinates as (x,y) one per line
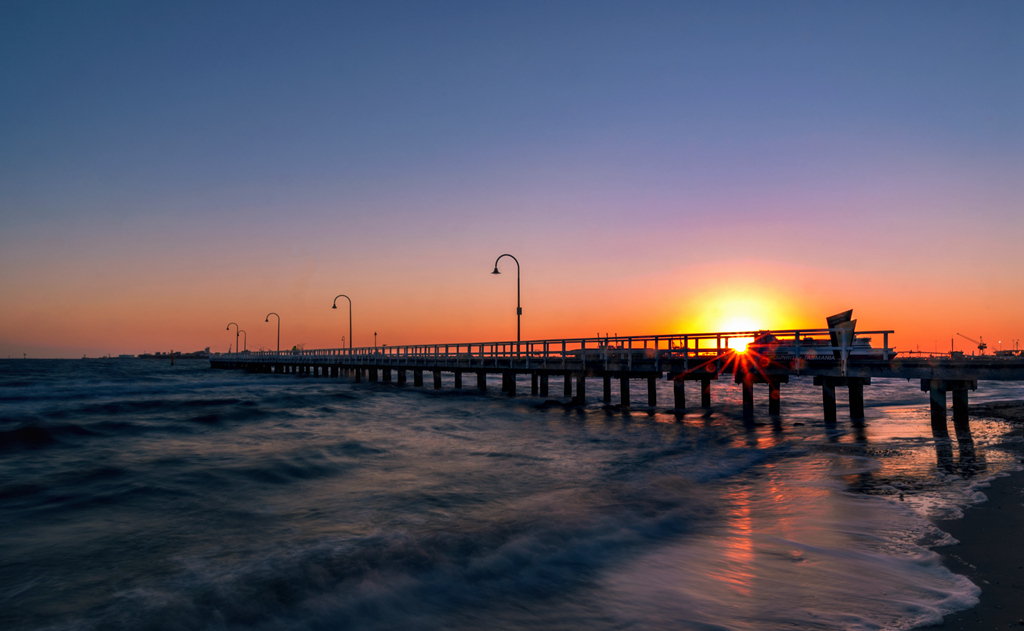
(989,554)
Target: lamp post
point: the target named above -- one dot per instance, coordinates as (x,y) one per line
(335,306)
(245,342)
(519,309)
(236,334)
(278,329)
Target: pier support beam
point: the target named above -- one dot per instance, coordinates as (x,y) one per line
(774,397)
(387,375)
(937,396)
(437,379)
(581,388)
(371,373)
(828,395)
(652,391)
(359,375)
(624,390)
(607,379)
(458,380)
(510,383)
(748,397)
(567,385)
(961,425)
(705,393)
(544,385)
(481,381)
(937,389)
(856,399)
(533,384)
(401,376)
(828,400)
(679,393)
(417,377)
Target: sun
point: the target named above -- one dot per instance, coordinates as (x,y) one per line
(736,312)
(735,324)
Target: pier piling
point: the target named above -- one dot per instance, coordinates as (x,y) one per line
(856,387)
(748,397)
(937,396)
(828,399)
(679,393)
(774,397)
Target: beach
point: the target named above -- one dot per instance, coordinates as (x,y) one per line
(989,551)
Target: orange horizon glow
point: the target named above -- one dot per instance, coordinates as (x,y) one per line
(463,305)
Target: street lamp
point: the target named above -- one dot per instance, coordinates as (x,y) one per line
(335,306)
(245,343)
(519,309)
(278,329)
(236,334)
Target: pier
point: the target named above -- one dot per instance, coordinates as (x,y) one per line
(834,357)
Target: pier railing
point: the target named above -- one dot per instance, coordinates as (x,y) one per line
(567,353)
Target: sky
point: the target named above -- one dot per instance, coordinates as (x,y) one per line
(656,167)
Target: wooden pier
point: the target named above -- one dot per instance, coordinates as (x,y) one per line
(833,357)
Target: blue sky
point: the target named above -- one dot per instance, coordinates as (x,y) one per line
(134,132)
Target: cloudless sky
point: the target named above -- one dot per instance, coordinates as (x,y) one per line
(656,167)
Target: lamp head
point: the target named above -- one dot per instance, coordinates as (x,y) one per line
(227,328)
(495,270)
(334,306)
(268,319)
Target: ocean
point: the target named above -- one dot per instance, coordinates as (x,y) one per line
(139,495)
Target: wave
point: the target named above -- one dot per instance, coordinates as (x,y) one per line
(407,579)
(38,435)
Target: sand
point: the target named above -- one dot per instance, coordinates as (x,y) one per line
(991,548)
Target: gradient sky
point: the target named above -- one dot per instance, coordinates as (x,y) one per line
(656,167)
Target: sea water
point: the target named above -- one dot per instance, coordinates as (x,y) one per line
(139,495)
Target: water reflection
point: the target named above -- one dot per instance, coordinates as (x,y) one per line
(970,461)
(737,572)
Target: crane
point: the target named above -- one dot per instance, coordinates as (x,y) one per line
(981,344)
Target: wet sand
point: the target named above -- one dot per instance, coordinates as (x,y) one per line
(991,548)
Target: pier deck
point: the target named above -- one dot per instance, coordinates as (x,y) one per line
(833,357)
